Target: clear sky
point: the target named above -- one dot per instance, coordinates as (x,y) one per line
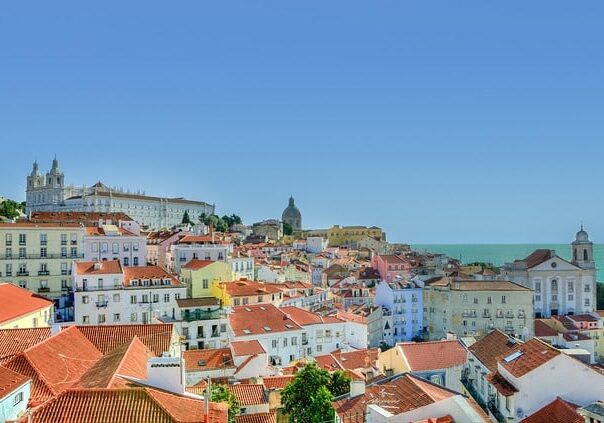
(440,121)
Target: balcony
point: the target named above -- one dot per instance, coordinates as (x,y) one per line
(101,304)
(39,256)
(22,273)
(43,273)
(65,288)
(495,412)
(44,289)
(203,315)
(467,383)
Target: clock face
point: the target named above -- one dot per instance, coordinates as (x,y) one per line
(554,264)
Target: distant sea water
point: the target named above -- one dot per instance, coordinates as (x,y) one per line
(498,254)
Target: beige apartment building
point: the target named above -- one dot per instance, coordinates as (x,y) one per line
(39,256)
(474,308)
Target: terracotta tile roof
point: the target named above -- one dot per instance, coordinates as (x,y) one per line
(28,224)
(443,419)
(359,359)
(537,257)
(87,218)
(245,288)
(270,417)
(248,394)
(397,395)
(490,347)
(583,318)
(392,259)
(148,273)
(98,267)
(196,264)
(55,364)
(260,319)
(557,411)
(197,302)
(575,336)
(433,355)
(197,239)
(219,358)
(10,381)
(241,348)
(132,405)
(100,231)
(306,318)
(328,362)
(129,359)
(543,329)
(156,337)
(17,302)
(476,285)
(501,384)
(14,341)
(276,382)
(531,355)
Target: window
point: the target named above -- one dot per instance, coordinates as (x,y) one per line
(245,300)
(63,252)
(43,239)
(8,239)
(177,296)
(508,403)
(275,343)
(104,247)
(22,252)
(64,268)
(135,261)
(145,298)
(116,317)
(223,327)
(23,284)
(166,298)
(554,285)
(135,246)
(115,248)
(475,300)
(126,261)
(100,283)
(294,340)
(284,342)
(435,379)
(63,239)
(133,316)
(116,298)
(95,247)
(126,246)
(132,299)
(236,301)
(537,286)
(85,299)
(64,285)
(571,286)
(587,302)
(74,239)
(86,319)
(9,269)
(571,297)
(503,299)
(587,288)
(101,319)
(74,251)
(260,298)
(205,283)
(489,299)
(22,239)
(156,298)
(319,348)
(18,399)
(9,252)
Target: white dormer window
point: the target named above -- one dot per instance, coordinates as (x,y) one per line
(134,282)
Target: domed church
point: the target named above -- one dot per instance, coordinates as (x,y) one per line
(292,215)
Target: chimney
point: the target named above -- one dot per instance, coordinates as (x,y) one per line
(357,387)
(55,328)
(97,265)
(451,336)
(167,373)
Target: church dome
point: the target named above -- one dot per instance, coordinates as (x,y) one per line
(292,215)
(582,235)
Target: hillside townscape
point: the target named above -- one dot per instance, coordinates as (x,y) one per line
(116,305)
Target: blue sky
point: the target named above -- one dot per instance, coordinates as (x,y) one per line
(442,122)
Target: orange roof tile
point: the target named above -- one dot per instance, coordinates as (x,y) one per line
(111,267)
(501,384)
(490,347)
(147,273)
(248,394)
(259,319)
(543,329)
(129,359)
(245,288)
(156,337)
(56,363)
(328,362)
(132,405)
(557,411)
(433,355)
(10,381)
(276,382)
(305,318)
(398,395)
(14,341)
(531,355)
(270,417)
(359,359)
(17,302)
(252,347)
(196,264)
(219,358)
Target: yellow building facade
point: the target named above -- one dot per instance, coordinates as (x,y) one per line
(200,278)
(39,256)
(347,235)
(23,309)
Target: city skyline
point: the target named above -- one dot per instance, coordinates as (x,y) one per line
(453,124)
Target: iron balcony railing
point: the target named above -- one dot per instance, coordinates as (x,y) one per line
(40,256)
(203,315)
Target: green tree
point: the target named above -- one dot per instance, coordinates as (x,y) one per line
(307,399)
(221,393)
(287,229)
(11,209)
(599,295)
(384,346)
(186,218)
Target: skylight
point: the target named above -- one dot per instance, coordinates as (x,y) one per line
(512,356)
(246,331)
(268,329)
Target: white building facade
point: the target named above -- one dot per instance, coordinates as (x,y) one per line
(404,299)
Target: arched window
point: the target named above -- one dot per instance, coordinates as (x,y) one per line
(554,285)
(585,255)
(575,254)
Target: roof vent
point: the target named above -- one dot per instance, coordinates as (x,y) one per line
(267,328)
(97,266)
(202,363)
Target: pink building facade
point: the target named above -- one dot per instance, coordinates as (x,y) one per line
(390,266)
